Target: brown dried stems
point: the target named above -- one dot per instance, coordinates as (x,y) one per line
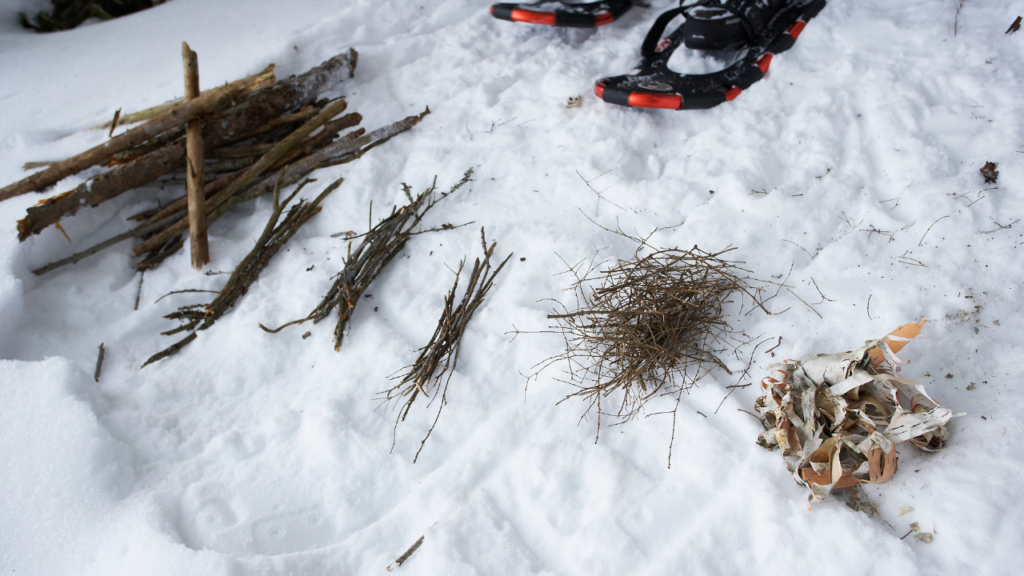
(378,247)
(440,356)
(653,325)
(274,237)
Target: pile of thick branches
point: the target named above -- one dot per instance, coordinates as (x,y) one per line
(256,132)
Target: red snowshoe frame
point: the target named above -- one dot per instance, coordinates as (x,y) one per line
(557,13)
(653,85)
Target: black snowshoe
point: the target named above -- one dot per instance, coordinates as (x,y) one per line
(557,13)
(762,27)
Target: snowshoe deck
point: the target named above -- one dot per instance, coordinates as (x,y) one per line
(653,85)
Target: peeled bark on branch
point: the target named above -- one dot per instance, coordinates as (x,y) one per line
(104,187)
(195,165)
(261,79)
(264,108)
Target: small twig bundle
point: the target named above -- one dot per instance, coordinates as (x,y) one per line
(274,237)
(382,243)
(440,356)
(655,324)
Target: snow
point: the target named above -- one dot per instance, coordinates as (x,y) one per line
(251,453)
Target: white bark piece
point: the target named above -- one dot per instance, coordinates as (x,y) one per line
(838,417)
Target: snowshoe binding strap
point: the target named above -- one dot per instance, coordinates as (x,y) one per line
(652,85)
(557,13)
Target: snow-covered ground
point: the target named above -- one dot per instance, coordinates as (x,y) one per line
(855,164)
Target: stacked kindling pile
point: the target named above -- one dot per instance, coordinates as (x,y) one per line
(256,133)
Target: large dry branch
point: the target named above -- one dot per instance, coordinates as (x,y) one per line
(377,248)
(440,356)
(305,87)
(108,185)
(261,79)
(195,165)
(274,237)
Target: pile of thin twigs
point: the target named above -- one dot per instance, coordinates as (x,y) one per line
(653,325)
(376,250)
(275,235)
(433,369)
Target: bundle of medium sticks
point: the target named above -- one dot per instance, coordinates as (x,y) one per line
(229,145)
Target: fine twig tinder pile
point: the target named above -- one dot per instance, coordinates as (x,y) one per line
(654,324)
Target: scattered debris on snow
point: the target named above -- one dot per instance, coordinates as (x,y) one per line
(404,557)
(1014,27)
(990,173)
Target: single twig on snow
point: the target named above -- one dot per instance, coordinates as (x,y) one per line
(805,303)
(138,294)
(1000,226)
(404,557)
(99,364)
(930,229)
